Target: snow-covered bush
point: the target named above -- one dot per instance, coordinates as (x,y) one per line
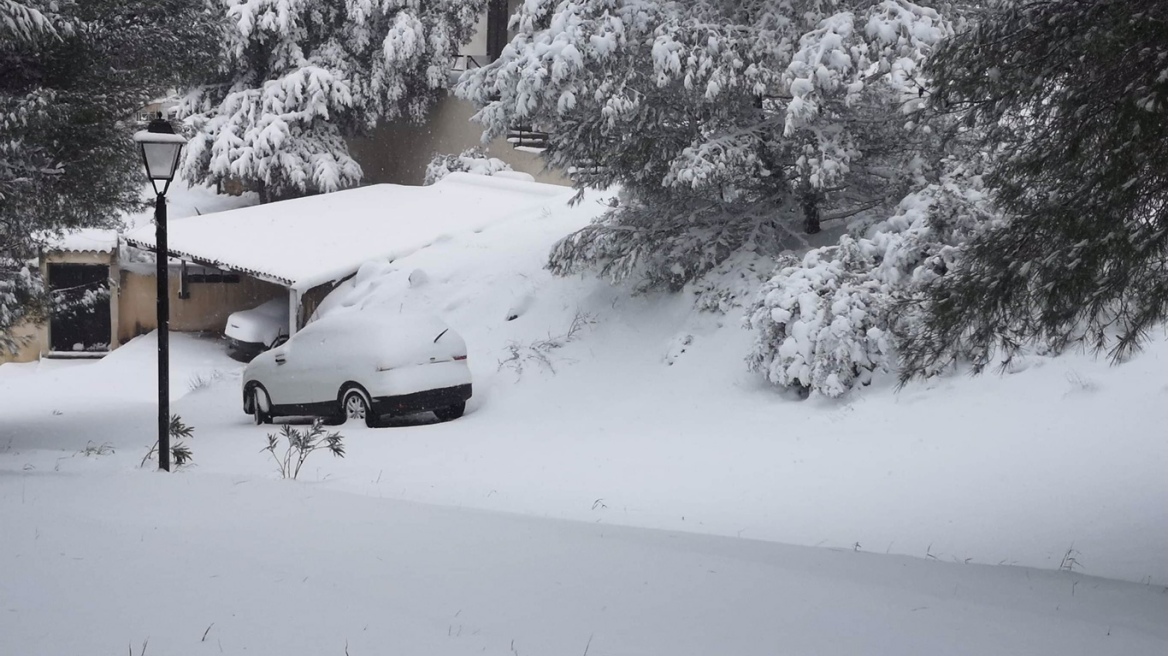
(818,321)
(827,321)
(471,160)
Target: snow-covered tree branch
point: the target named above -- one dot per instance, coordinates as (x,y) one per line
(1074,97)
(74,76)
(298,76)
(715,117)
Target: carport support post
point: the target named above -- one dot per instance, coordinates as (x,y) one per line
(293,311)
(163,271)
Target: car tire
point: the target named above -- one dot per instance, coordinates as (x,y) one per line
(258,415)
(355,405)
(451,412)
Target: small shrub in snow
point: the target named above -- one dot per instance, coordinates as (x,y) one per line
(180,453)
(826,321)
(203,380)
(472,160)
(539,351)
(1070,560)
(94,450)
(300,444)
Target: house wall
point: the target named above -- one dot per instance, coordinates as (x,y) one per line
(311,300)
(38,344)
(477,46)
(207,308)
(89,257)
(38,341)
(398,152)
(151,110)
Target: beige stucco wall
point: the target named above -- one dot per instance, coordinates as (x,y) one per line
(398,152)
(38,341)
(311,300)
(207,308)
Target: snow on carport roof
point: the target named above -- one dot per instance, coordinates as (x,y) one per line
(310,241)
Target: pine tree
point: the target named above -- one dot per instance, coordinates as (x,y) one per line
(1073,101)
(727,124)
(75,73)
(296,77)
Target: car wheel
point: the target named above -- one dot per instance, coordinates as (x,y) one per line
(451,412)
(355,406)
(259,401)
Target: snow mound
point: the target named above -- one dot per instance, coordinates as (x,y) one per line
(645,402)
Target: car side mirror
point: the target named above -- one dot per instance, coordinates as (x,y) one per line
(280,341)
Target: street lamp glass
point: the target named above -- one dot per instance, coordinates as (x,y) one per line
(160,149)
(161,159)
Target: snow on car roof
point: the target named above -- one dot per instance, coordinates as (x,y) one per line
(308,241)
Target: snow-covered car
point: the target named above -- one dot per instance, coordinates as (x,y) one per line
(251,332)
(361,365)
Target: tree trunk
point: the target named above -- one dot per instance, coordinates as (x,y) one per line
(811,212)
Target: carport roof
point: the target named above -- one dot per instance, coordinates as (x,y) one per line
(306,242)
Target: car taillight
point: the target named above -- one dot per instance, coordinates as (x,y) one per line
(459,357)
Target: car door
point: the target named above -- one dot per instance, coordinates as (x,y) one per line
(311,366)
(299,365)
(276,376)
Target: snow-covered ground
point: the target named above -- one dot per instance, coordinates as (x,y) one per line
(876,523)
(99,559)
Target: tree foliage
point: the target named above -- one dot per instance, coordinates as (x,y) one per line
(74,75)
(727,124)
(296,77)
(1072,98)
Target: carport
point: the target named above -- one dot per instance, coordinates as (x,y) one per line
(308,245)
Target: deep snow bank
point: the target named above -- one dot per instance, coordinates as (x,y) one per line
(594,403)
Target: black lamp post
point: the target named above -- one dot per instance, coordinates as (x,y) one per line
(160,150)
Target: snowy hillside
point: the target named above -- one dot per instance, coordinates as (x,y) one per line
(647,416)
(595,404)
